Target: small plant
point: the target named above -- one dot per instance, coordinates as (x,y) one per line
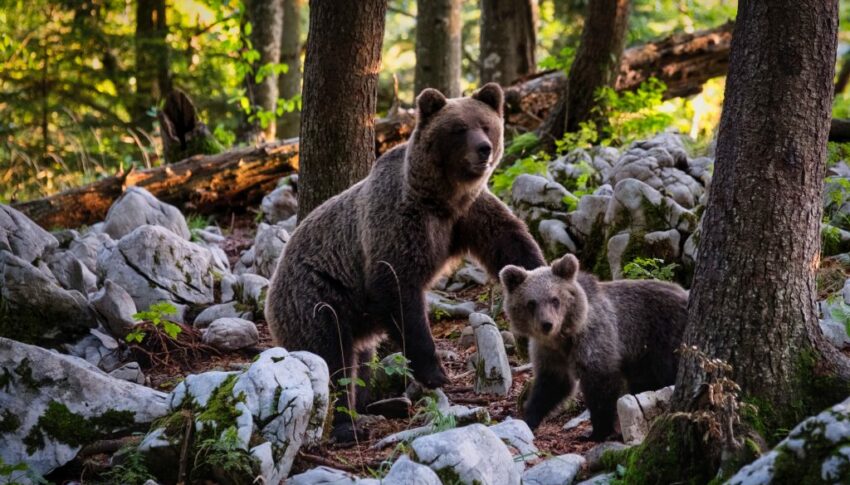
(839,311)
(632,115)
(562,61)
(441,314)
(837,152)
(131,471)
(156,316)
(397,364)
(586,136)
(430,412)
(649,269)
(522,145)
(225,456)
(830,240)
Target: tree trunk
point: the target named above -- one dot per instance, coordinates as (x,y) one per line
(153,78)
(205,184)
(266,18)
(508,39)
(753,303)
(596,64)
(438,47)
(340,95)
(289,82)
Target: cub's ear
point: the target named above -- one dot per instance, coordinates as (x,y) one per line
(491,94)
(566,267)
(429,102)
(512,276)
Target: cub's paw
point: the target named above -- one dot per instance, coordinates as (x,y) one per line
(605,435)
(348,433)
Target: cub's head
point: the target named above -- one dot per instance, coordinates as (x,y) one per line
(457,140)
(546,302)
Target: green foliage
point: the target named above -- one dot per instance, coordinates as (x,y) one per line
(131,471)
(156,316)
(562,61)
(18,474)
(585,137)
(840,311)
(502,181)
(632,115)
(649,269)
(830,240)
(397,364)
(225,456)
(522,145)
(837,152)
(429,411)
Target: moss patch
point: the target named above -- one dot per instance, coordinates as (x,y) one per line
(9,423)
(64,426)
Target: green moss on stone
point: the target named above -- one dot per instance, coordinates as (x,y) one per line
(64,426)
(9,423)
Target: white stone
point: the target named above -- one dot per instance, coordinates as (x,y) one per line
(557,470)
(23,237)
(534,190)
(137,207)
(231,334)
(222,310)
(637,411)
(116,308)
(268,246)
(493,371)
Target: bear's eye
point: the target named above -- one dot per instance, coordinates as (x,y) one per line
(531,305)
(458,130)
(486,129)
(555,302)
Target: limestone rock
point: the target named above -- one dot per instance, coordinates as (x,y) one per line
(637,411)
(493,371)
(231,334)
(554,471)
(138,207)
(268,246)
(116,308)
(23,237)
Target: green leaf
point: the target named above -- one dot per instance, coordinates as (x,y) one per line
(172,329)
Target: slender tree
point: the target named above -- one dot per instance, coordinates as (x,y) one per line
(153,78)
(753,303)
(289,82)
(339,97)
(266,20)
(508,39)
(438,48)
(596,65)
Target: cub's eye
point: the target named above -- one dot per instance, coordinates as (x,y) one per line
(486,129)
(531,305)
(555,302)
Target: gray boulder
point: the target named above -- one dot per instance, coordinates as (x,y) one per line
(268,246)
(222,310)
(44,388)
(442,307)
(116,308)
(281,203)
(471,454)
(88,246)
(637,411)
(23,237)
(558,470)
(35,309)
(130,372)
(408,472)
(70,272)
(247,289)
(153,264)
(555,238)
(231,334)
(534,190)
(492,370)
(137,207)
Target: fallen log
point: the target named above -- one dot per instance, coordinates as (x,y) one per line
(203,184)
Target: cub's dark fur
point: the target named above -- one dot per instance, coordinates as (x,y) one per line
(357,267)
(600,333)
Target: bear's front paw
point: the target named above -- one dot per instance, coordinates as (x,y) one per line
(433,377)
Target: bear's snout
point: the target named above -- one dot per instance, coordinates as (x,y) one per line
(546,327)
(484,150)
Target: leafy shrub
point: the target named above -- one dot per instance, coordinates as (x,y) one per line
(225,456)
(649,269)
(503,180)
(156,315)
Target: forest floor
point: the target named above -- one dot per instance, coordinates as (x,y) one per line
(360,458)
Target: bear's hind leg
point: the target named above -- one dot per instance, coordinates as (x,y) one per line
(550,388)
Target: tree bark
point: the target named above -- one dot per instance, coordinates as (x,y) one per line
(595,66)
(289,83)
(753,303)
(205,184)
(438,47)
(153,77)
(339,97)
(266,18)
(508,39)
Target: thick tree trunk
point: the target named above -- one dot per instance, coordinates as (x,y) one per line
(753,303)
(596,64)
(153,78)
(266,18)
(438,47)
(204,184)
(289,83)
(340,95)
(508,39)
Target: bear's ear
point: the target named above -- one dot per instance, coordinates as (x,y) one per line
(429,102)
(491,94)
(512,276)
(566,267)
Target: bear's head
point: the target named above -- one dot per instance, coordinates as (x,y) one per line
(456,143)
(547,302)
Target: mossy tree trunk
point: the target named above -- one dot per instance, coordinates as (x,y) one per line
(438,48)
(339,97)
(508,39)
(289,82)
(753,303)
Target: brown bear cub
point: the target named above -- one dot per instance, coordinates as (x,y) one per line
(356,269)
(601,333)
